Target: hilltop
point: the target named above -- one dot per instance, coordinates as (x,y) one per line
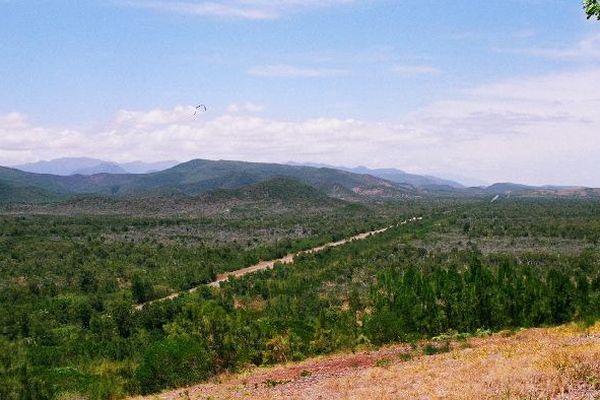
(559,363)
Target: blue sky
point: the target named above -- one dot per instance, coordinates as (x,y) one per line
(422,85)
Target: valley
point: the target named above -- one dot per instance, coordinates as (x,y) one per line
(111,295)
(289,258)
(299,199)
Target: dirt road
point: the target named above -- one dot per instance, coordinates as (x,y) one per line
(288,259)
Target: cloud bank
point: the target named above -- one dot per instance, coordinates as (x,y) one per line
(538,130)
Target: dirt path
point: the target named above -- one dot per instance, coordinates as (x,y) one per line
(288,259)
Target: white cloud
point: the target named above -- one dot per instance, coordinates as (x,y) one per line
(155,117)
(543,129)
(232,135)
(587,48)
(413,70)
(13,120)
(19,140)
(290,71)
(246,107)
(537,130)
(242,9)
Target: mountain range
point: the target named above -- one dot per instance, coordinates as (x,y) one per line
(92,166)
(193,178)
(394,175)
(198,177)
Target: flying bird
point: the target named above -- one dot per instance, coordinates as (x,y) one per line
(200,108)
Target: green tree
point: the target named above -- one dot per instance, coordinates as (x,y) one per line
(592,8)
(141,288)
(172,362)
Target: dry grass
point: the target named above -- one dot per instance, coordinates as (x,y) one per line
(556,363)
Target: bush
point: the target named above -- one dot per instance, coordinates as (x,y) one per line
(431,349)
(172,362)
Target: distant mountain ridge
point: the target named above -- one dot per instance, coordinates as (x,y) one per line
(91,166)
(102,168)
(505,190)
(201,176)
(394,175)
(198,177)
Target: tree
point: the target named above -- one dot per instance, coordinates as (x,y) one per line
(174,361)
(592,8)
(141,288)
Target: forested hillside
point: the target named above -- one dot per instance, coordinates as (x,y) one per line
(201,176)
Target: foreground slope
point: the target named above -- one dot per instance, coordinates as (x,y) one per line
(555,363)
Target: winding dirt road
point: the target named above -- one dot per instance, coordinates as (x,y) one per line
(288,259)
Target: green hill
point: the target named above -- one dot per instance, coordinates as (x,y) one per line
(201,176)
(278,189)
(274,195)
(11,193)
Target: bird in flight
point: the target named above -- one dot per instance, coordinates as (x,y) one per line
(200,108)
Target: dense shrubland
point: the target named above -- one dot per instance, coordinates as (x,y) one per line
(69,283)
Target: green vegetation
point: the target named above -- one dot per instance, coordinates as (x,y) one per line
(68,285)
(592,8)
(10,193)
(194,178)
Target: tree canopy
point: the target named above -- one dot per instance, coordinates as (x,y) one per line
(592,9)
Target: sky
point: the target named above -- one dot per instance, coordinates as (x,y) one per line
(493,91)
